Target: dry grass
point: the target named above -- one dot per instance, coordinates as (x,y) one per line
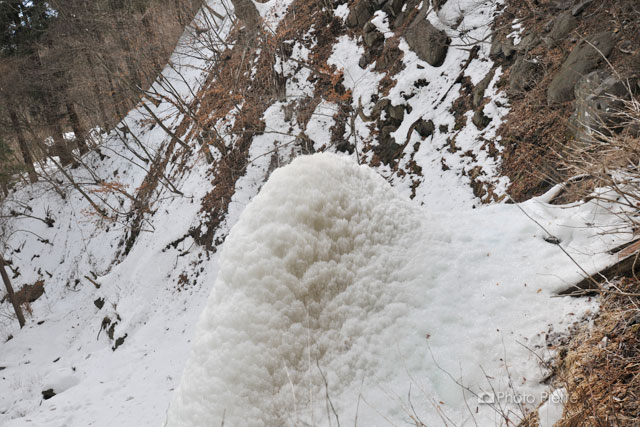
(601,365)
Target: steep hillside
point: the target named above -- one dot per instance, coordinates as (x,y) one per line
(384,283)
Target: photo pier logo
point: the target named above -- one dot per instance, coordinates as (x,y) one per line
(485,398)
(509,397)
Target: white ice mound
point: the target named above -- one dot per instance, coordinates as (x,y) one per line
(315,281)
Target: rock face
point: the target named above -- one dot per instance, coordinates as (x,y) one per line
(480,120)
(599,96)
(501,46)
(429,43)
(524,74)
(481,87)
(405,11)
(48,394)
(584,58)
(371,37)
(579,8)
(393,7)
(424,128)
(528,42)
(387,148)
(360,14)
(562,26)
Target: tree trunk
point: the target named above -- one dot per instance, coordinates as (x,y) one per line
(78,130)
(12,296)
(60,145)
(106,121)
(114,99)
(24,149)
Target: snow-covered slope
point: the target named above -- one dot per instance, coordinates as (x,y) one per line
(329,273)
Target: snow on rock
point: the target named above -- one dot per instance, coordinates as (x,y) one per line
(315,272)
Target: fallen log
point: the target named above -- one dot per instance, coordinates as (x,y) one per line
(628,264)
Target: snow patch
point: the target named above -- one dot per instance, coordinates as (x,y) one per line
(551,411)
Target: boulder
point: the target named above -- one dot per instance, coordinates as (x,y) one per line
(387,149)
(360,13)
(501,46)
(480,120)
(429,43)
(528,42)
(481,87)
(584,58)
(380,106)
(365,59)
(403,15)
(424,127)
(395,114)
(48,394)
(393,7)
(579,8)
(373,38)
(599,97)
(524,74)
(562,26)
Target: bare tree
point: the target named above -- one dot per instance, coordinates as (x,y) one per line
(10,293)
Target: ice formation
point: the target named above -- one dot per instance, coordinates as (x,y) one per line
(312,279)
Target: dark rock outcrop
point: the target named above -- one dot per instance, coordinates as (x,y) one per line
(580,7)
(481,87)
(425,128)
(562,26)
(524,74)
(48,394)
(528,42)
(501,46)
(599,97)
(480,120)
(429,43)
(584,58)
(361,13)
(372,37)
(393,7)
